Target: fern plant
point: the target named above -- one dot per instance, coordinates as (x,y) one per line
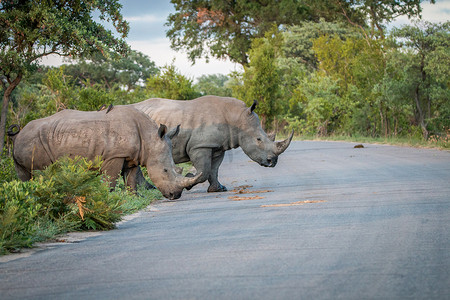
(78,193)
(18,210)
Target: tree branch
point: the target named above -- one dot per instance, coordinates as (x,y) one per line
(344,13)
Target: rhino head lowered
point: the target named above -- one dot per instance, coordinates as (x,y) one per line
(124,138)
(211,125)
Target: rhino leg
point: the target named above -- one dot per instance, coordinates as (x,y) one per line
(129,177)
(134,177)
(112,168)
(22,173)
(201,159)
(214,184)
(208,162)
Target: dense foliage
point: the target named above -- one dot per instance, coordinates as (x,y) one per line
(69,195)
(331,80)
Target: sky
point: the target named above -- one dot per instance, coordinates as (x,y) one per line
(148,35)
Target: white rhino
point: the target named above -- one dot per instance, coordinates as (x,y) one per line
(211,125)
(125,138)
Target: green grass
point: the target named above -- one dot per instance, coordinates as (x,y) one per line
(442,144)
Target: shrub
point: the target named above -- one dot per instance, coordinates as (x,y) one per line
(7,171)
(77,194)
(69,195)
(18,210)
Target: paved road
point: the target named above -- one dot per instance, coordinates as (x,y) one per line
(328,222)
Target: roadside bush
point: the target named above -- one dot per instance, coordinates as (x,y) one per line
(69,195)
(18,210)
(77,194)
(7,171)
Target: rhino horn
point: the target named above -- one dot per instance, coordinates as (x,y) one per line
(162,130)
(281,146)
(272,136)
(252,108)
(187,182)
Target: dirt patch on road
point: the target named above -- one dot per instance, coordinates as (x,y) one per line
(238,198)
(293,203)
(243,189)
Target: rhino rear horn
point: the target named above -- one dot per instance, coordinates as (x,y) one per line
(252,108)
(162,130)
(281,146)
(272,136)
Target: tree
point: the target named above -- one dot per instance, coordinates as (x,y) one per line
(298,40)
(427,77)
(261,80)
(129,71)
(214,84)
(225,29)
(379,12)
(170,84)
(317,98)
(358,66)
(30,30)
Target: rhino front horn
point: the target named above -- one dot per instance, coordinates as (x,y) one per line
(188,182)
(281,146)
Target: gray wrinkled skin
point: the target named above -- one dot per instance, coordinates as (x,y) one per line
(211,125)
(123,137)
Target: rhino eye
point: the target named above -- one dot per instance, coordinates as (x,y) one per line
(258,139)
(165,170)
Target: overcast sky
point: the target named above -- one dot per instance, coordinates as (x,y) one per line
(148,34)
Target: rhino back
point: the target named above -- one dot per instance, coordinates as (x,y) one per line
(206,122)
(73,133)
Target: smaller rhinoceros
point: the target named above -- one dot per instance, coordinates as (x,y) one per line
(211,125)
(125,138)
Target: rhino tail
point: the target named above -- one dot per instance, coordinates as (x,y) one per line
(11,132)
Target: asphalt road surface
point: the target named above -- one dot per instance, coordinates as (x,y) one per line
(328,222)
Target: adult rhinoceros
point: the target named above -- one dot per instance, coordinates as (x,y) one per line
(211,125)
(124,138)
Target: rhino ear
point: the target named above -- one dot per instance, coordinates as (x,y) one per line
(162,130)
(252,108)
(173,133)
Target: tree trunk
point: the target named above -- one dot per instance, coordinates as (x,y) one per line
(6,97)
(421,117)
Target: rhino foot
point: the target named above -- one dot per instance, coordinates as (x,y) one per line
(216,189)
